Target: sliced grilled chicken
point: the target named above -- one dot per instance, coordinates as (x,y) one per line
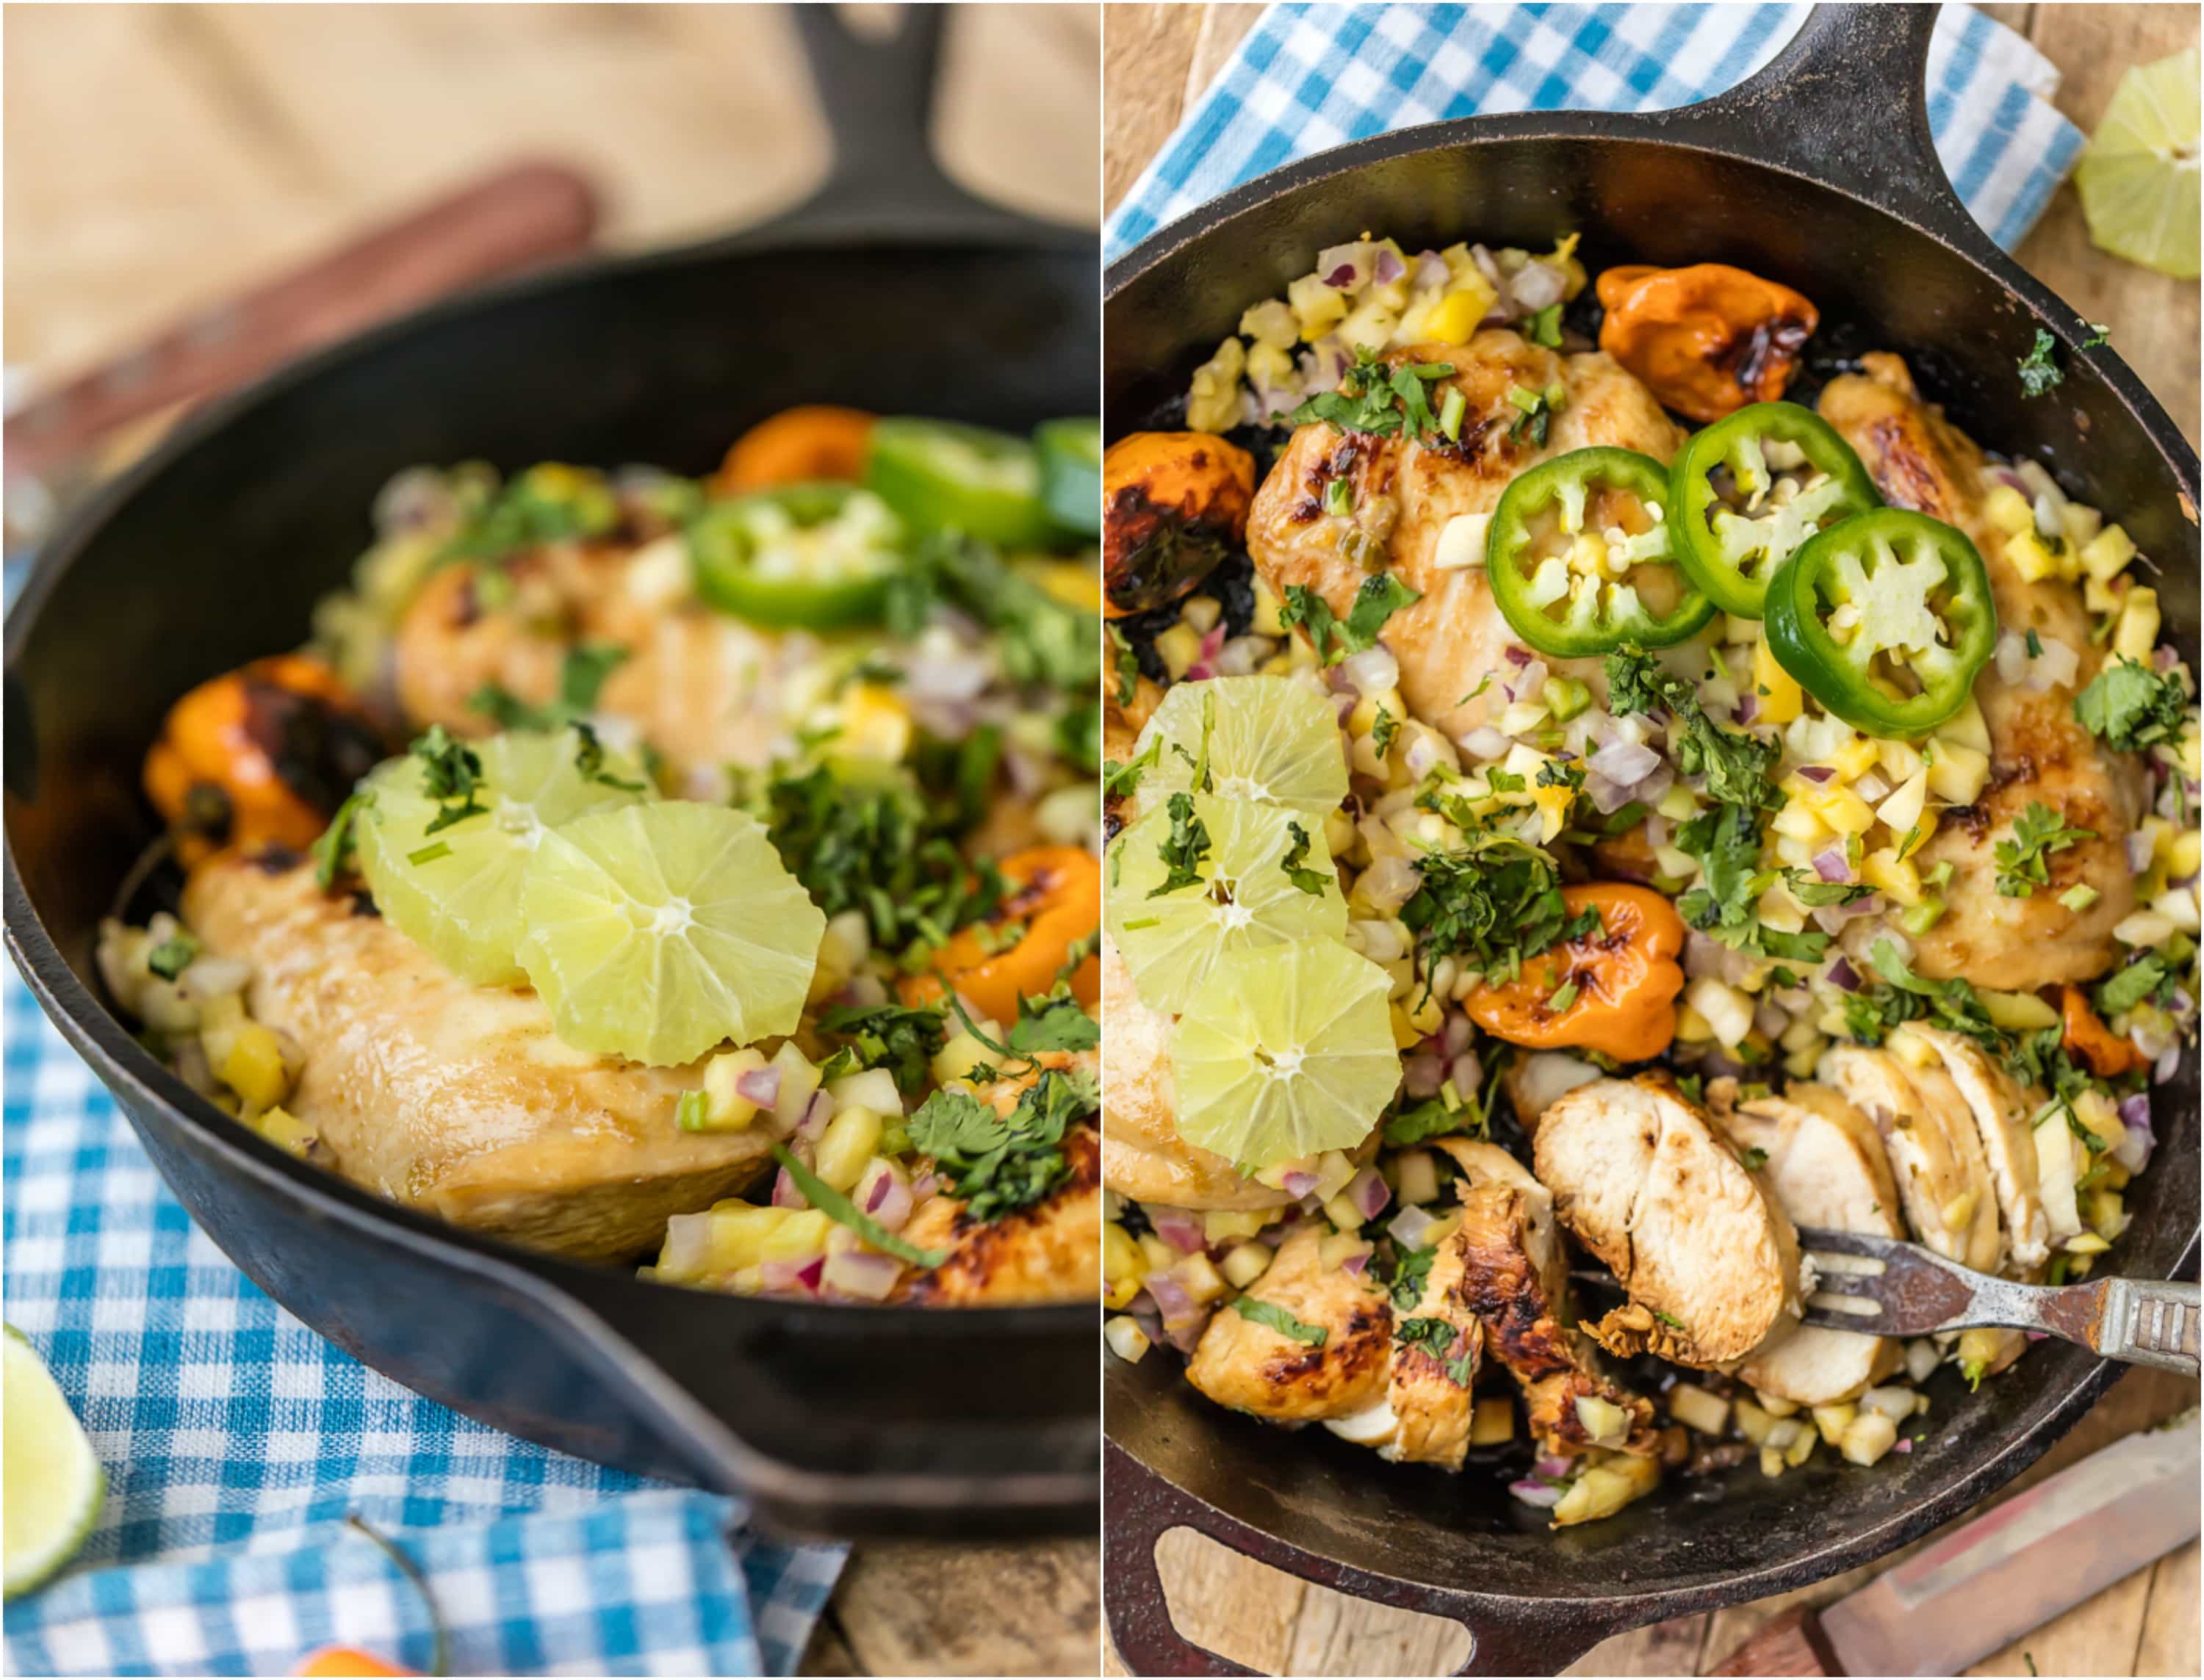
(456,1099)
(1142,1154)
(1050,1252)
(1935,1151)
(2038,751)
(1425,1416)
(1826,1165)
(1644,1181)
(1516,1279)
(1250,1367)
(1121,738)
(2003,1109)
(1455,636)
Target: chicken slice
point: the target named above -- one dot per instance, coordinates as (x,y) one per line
(1452,638)
(1425,1416)
(1143,1157)
(1826,1167)
(1708,1259)
(1050,1252)
(456,1099)
(1516,1279)
(1252,1367)
(2003,1110)
(1935,1152)
(2038,752)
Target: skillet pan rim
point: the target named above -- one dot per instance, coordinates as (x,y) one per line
(115,1058)
(2015,1453)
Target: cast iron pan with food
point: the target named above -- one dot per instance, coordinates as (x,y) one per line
(891,290)
(1819,173)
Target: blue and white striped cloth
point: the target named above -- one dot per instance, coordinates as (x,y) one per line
(236,1443)
(1308,77)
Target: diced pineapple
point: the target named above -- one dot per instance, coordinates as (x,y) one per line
(1492,1420)
(798,1236)
(956,1059)
(725,1108)
(2028,555)
(1842,810)
(875,723)
(1268,366)
(798,1080)
(1966,727)
(1123,1265)
(2017,1011)
(1272,322)
(1179,646)
(1202,1280)
(284,1129)
(2004,507)
(1605,1488)
(1799,821)
(1245,1264)
(1212,399)
(1891,875)
(1957,774)
(2107,556)
(1125,1338)
(846,1145)
(1371,324)
(253,1066)
(2136,634)
(1781,699)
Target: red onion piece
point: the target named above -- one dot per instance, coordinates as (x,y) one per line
(1484,742)
(785,1192)
(783,1277)
(1420,1076)
(2168,1066)
(1842,976)
(1625,763)
(1904,1444)
(1410,1226)
(1298,1184)
(1543,1495)
(1466,1073)
(1536,285)
(1355,1264)
(1550,1467)
(1170,1297)
(869,1277)
(1833,865)
(1516,655)
(1387,267)
(1748,706)
(1431,269)
(1458,1034)
(1368,1192)
(1180,1229)
(816,1114)
(761,1085)
(1817,773)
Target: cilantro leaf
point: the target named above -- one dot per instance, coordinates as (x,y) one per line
(998,1165)
(1436,1337)
(1412,1270)
(1381,595)
(1735,764)
(1294,863)
(2039,370)
(1057,1022)
(1184,849)
(2129,706)
(902,1040)
(2024,861)
(1125,779)
(2146,977)
(1272,1317)
(1376,398)
(332,853)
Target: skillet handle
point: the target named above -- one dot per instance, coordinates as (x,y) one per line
(879,98)
(1846,103)
(1141,1507)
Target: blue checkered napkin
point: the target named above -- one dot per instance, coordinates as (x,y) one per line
(1309,77)
(236,1442)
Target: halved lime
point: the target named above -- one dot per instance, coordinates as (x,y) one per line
(2139,180)
(1246,898)
(1271,738)
(54,1485)
(458,890)
(657,931)
(1285,1051)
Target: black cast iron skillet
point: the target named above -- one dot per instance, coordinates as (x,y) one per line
(891,290)
(1819,172)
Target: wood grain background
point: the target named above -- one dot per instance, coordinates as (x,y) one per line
(1156,60)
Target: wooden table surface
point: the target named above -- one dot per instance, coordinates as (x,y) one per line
(1156,59)
(162,157)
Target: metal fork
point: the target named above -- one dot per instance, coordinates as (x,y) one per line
(1878,1285)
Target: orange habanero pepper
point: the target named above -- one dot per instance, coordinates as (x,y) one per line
(1056,893)
(798,446)
(2089,1037)
(1706,340)
(1626,978)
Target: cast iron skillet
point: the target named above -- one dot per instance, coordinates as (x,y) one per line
(892,290)
(1820,173)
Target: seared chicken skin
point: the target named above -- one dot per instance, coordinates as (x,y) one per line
(1452,638)
(1827,1168)
(1516,1279)
(1707,1256)
(457,1099)
(2038,751)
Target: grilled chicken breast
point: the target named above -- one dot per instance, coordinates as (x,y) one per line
(2003,1109)
(1515,1281)
(1644,1180)
(1253,1368)
(1050,1252)
(1143,1157)
(1453,637)
(1935,1152)
(1827,1168)
(458,1100)
(2038,752)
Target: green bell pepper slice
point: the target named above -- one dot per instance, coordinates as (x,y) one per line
(1785,474)
(1885,619)
(942,476)
(1581,598)
(797,556)
(1071,474)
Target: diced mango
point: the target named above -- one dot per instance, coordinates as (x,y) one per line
(1455,318)
(1781,699)
(1892,876)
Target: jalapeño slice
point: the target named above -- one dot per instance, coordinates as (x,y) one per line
(1582,557)
(1885,619)
(1749,490)
(814,556)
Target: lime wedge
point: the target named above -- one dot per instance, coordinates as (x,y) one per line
(1269,738)
(1285,1051)
(54,1483)
(656,931)
(1245,899)
(2138,181)
(458,890)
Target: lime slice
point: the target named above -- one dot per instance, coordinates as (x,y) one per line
(54,1481)
(1245,899)
(656,931)
(458,890)
(1285,1051)
(2138,180)
(1269,738)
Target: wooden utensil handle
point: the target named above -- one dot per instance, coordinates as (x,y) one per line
(1790,1644)
(523,215)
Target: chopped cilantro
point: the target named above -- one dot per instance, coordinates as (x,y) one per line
(2147,976)
(1184,848)
(2129,706)
(1381,595)
(332,853)
(2022,862)
(1127,665)
(1753,1158)
(1377,398)
(998,1165)
(172,955)
(1412,1270)
(2039,370)
(1295,861)
(1495,902)
(1436,1337)
(1383,728)
(902,1040)
(1125,779)
(843,1211)
(451,775)
(1272,1317)
(1735,765)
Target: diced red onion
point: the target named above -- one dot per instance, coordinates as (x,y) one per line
(1771,1020)
(1466,1073)
(1516,654)
(1027,773)
(1842,976)
(867,991)
(1833,865)
(1656,830)
(2005,475)
(1187,1335)
(1903,1444)
(1530,680)
(2012,657)
(2168,1066)
(688,1243)
(1299,1184)
(1343,704)
(1388,267)
(2134,1152)
(1180,1229)
(816,1114)
(785,1192)
(1536,285)
(1457,1036)
(869,1277)
(1431,269)
(2056,667)
(761,1085)
(1170,1296)
(1817,773)
(1239,657)
(1543,1495)
(961,678)
(1199,672)
(1344,266)
(1748,706)
(1625,763)
(1485,742)
(1355,1264)
(1367,1193)
(1550,1467)
(783,1277)
(888,1199)
(925,1187)
(1410,1226)
(1373,671)
(2165,658)
(1420,1076)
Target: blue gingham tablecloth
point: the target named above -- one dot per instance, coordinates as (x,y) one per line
(1311,76)
(236,1443)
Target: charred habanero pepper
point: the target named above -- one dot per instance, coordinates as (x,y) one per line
(262,756)
(1054,902)
(1581,556)
(798,556)
(1173,504)
(1706,340)
(798,446)
(1885,619)
(1613,991)
(2109,1056)
(1748,491)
